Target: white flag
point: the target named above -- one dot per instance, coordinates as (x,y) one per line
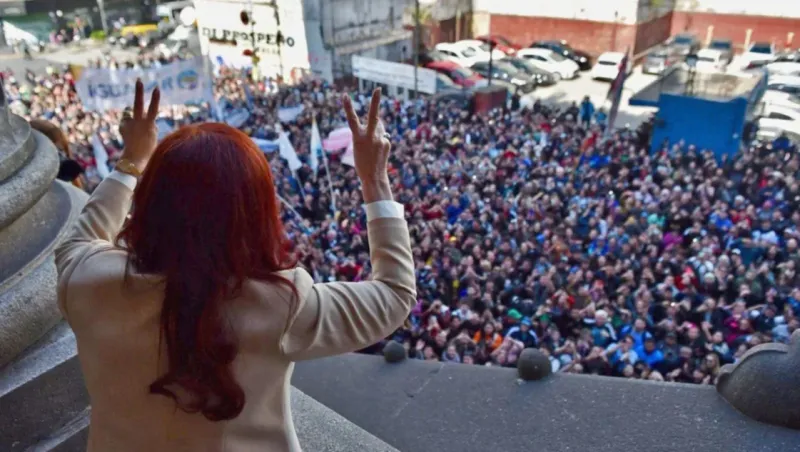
(348,158)
(315,148)
(287,152)
(100,156)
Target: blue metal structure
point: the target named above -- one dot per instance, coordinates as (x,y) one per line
(706,110)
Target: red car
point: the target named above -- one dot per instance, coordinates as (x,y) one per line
(461,76)
(500,43)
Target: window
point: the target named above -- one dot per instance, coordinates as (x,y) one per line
(538,58)
(486,47)
(720,45)
(460,72)
(449,53)
(761,47)
(557,57)
(608,63)
(480,66)
(469,52)
(683,40)
(707,59)
(781,116)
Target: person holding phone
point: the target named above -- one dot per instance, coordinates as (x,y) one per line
(190,311)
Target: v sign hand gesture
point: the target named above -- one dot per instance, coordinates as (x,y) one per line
(138,128)
(370,149)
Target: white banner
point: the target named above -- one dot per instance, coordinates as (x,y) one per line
(181,82)
(280,49)
(394,74)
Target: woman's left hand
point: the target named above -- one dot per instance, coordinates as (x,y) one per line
(138,128)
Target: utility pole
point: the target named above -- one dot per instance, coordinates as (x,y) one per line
(102,7)
(416,47)
(278,33)
(491,59)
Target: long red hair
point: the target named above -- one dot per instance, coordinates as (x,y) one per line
(206,218)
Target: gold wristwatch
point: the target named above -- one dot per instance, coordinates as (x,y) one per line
(127,167)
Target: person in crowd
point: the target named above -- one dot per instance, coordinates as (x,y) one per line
(189,315)
(523,219)
(69,170)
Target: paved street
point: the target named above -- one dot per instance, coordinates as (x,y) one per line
(573,90)
(69,55)
(563,92)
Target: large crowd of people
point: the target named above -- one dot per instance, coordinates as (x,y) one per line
(530,228)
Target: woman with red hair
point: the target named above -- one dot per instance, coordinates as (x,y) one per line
(190,314)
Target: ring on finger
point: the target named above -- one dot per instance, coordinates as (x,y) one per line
(387,135)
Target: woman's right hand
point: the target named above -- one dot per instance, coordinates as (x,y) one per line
(138,128)
(370,150)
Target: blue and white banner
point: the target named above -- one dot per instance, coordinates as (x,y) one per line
(289,114)
(181,82)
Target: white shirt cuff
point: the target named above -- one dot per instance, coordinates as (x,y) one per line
(384,209)
(125,179)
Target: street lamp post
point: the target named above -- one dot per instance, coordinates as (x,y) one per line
(416,47)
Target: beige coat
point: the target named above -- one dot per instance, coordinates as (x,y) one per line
(117,330)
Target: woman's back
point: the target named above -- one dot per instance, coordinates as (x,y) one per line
(179,349)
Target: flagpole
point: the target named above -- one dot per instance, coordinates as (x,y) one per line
(330,182)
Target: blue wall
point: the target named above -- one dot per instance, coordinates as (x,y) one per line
(707,124)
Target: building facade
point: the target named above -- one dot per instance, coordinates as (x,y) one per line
(338,29)
(618,25)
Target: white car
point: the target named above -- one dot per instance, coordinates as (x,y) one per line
(459,55)
(779,118)
(710,60)
(607,66)
(759,54)
(774,98)
(784,68)
(560,66)
(784,83)
(481,48)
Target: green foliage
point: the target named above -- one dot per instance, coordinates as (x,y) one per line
(98,35)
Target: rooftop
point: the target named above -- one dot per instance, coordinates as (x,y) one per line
(716,86)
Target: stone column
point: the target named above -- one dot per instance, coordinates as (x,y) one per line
(41,388)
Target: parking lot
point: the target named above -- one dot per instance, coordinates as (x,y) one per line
(567,91)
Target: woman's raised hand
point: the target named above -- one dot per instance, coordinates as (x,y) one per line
(138,128)
(370,150)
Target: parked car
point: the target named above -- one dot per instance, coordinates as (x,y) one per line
(581,58)
(780,99)
(608,66)
(561,66)
(445,84)
(542,77)
(500,43)
(427,56)
(465,57)
(784,83)
(506,72)
(784,68)
(723,45)
(779,118)
(658,60)
(792,56)
(461,76)
(758,55)
(710,60)
(481,48)
(684,43)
